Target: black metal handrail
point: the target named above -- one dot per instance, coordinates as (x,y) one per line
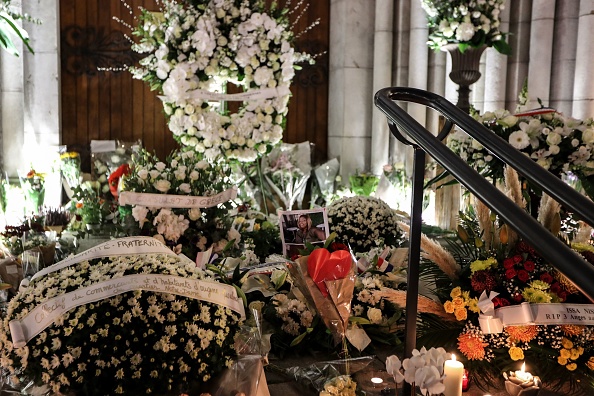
(568,262)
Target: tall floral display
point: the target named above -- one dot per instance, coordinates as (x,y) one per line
(465,29)
(194,49)
(465,23)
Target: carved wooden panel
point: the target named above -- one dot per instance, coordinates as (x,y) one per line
(100,101)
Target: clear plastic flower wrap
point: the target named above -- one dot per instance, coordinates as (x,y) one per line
(286,171)
(317,375)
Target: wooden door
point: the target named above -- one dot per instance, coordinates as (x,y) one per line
(101,100)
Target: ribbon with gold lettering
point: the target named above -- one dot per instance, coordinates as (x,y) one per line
(175,201)
(43,315)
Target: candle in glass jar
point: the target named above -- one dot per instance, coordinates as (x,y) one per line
(454,371)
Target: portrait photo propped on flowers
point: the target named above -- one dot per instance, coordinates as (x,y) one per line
(300,228)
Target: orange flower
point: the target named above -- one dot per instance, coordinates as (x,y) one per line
(79,205)
(590,363)
(572,330)
(448,306)
(522,333)
(472,346)
(460,313)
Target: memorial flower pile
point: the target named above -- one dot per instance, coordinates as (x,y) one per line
(159,342)
(559,143)
(499,270)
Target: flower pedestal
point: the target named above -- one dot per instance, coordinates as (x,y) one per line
(465,71)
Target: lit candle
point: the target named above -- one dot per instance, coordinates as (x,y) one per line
(523,375)
(454,371)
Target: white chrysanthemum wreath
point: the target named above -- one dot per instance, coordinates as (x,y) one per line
(195,49)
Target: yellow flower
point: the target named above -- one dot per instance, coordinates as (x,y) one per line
(565,354)
(458,302)
(456,292)
(516,353)
(561,361)
(449,307)
(571,366)
(473,305)
(567,344)
(575,354)
(460,313)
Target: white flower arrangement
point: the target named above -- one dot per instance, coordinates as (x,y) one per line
(138,342)
(424,369)
(558,143)
(363,222)
(182,173)
(195,50)
(467,23)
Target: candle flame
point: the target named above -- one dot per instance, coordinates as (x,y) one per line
(523,367)
(453,357)
(377,380)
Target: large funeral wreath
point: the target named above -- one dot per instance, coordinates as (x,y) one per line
(195,48)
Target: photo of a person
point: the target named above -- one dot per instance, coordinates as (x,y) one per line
(300,227)
(306,232)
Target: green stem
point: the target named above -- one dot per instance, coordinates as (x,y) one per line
(261,179)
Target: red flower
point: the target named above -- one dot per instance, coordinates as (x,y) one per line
(529,265)
(510,273)
(517,259)
(556,287)
(483,280)
(508,263)
(523,275)
(500,302)
(518,297)
(562,296)
(546,277)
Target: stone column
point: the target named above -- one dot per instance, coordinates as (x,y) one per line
(583,91)
(401,49)
(519,39)
(563,62)
(496,71)
(382,78)
(541,52)
(13,104)
(351,84)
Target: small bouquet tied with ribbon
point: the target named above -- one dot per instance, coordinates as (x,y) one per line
(327,280)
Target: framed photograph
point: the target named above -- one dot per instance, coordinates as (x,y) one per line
(300,226)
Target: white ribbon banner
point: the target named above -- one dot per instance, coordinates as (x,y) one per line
(43,315)
(175,201)
(116,247)
(263,93)
(537,314)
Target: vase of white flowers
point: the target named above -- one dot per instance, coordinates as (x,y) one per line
(465,29)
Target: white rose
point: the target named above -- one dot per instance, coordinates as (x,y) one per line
(162,185)
(202,165)
(185,187)
(143,174)
(553,138)
(588,136)
(374,315)
(194,214)
(160,166)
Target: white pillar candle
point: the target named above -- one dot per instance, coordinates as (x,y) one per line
(453,370)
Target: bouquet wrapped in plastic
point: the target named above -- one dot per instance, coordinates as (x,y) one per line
(286,171)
